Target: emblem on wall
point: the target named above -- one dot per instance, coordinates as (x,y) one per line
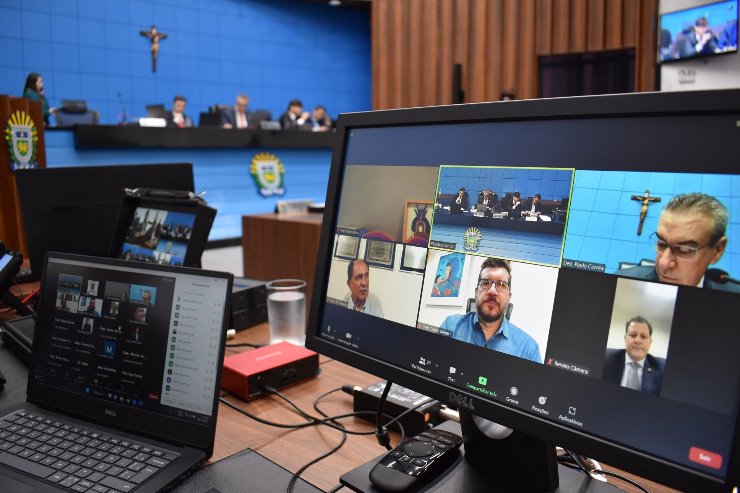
(22,137)
(471,239)
(268,173)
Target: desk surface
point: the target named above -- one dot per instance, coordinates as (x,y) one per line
(288,448)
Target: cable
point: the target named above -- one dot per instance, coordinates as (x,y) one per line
(246,344)
(588,471)
(381,432)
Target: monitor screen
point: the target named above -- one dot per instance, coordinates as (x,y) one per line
(591,306)
(700,31)
(85,200)
(158,236)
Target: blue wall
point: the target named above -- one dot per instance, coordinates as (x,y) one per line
(603,218)
(222,173)
(550,184)
(272,50)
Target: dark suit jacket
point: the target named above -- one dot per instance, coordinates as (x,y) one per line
(171,122)
(515,212)
(289,124)
(229,116)
(465,204)
(652,370)
(537,206)
(687,46)
(647,272)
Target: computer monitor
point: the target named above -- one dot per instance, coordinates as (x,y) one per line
(75,209)
(642,176)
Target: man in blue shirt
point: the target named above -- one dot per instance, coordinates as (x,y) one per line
(487,326)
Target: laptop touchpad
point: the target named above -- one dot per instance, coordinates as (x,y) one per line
(12,486)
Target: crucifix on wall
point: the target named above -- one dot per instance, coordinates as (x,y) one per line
(646,199)
(155,37)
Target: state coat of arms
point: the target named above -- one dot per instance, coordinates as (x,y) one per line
(22,137)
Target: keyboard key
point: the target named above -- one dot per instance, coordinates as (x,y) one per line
(69,481)
(99,488)
(25,465)
(118,484)
(136,466)
(115,471)
(95,477)
(78,487)
(144,475)
(102,467)
(84,473)
(123,462)
(127,475)
(71,469)
(57,476)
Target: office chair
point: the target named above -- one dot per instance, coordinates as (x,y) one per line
(74,112)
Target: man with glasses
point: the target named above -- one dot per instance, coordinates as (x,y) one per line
(690,237)
(488,326)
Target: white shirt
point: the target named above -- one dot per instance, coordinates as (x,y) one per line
(241,119)
(626,370)
(371,306)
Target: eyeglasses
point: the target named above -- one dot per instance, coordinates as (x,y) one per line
(684,252)
(485,285)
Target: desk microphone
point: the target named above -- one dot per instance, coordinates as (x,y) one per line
(122,117)
(720,277)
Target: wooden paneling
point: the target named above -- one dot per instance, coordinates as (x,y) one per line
(497,42)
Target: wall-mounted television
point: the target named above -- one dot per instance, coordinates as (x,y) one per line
(701,31)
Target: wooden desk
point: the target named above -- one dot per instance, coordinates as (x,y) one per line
(279,246)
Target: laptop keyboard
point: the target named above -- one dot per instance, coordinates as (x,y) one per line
(77,458)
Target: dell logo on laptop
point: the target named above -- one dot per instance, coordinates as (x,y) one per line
(460,400)
(110,412)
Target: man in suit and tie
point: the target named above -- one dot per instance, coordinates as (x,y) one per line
(633,367)
(236,117)
(177,117)
(534,209)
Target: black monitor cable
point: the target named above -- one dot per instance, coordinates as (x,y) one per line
(381,432)
(576,462)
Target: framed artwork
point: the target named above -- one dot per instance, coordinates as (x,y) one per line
(417,219)
(380,253)
(347,247)
(448,275)
(414,258)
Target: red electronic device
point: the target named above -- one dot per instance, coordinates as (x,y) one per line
(276,365)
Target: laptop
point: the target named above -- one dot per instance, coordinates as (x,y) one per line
(124,378)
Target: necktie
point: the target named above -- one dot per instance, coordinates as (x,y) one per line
(633,380)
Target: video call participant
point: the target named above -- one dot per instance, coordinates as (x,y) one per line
(487,201)
(488,326)
(699,41)
(633,367)
(516,209)
(90,310)
(690,237)
(295,118)
(359,297)
(236,117)
(460,202)
(177,117)
(535,207)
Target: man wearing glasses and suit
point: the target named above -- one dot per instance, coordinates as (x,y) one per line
(690,237)
(487,325)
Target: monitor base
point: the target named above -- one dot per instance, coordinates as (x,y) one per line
(461,476)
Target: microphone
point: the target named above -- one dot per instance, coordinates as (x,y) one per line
(720,277)
(122,117)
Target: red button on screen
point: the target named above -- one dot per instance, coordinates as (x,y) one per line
(705,457)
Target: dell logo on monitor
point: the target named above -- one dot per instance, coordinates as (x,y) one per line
(110,412)
(460,400)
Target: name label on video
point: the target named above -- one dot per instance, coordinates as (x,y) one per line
(442,244)
(577,264)
(564,365)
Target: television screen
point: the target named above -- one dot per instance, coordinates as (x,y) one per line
(592,306)
(700,31)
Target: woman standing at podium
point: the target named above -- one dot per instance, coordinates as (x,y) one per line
(34,90)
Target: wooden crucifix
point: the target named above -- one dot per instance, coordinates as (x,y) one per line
(646,199)
(155,37)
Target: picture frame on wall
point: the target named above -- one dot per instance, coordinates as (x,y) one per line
(347,247)
(447,277)
(417,219)
(414,258)
(380,253)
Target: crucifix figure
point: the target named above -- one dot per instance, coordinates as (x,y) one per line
(154,37)
(645,199)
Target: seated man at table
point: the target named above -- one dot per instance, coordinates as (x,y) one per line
(460,203)
(177,117)
(487,202)
(236,117)
(516,209)
(534,209)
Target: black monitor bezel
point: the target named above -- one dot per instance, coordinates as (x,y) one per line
(609,106)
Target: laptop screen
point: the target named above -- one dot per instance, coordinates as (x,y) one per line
(131,338)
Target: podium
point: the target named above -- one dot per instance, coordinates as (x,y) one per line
(23,147)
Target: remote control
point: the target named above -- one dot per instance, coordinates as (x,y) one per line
(415,460)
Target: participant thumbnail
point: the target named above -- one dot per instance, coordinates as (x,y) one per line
(67,302)
(639,334)
(139,314)
(146,295)
(117,290)
(502,305)
(87,325)
(360,283)
(90,306)
(69,284)
(92,288)
(674,228)
(512,213)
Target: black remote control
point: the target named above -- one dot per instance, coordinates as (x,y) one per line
(417,459)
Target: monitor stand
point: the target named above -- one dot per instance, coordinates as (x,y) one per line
(495,476)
